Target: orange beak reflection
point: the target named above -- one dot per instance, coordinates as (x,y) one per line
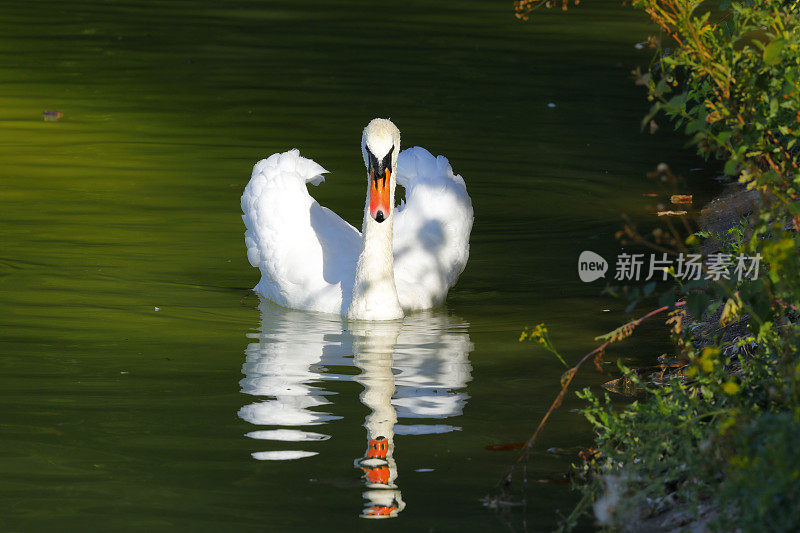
(380,194)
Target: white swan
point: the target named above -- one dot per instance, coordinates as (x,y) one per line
(406,258)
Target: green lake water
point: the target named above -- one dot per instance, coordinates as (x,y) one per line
(140,389)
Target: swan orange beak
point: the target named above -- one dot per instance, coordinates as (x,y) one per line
(380,193)
(378,448)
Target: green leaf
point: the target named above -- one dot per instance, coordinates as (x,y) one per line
(678,100)
(773,107)
(730,167)
(695,125)
(772,51)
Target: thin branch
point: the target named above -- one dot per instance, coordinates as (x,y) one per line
(566,379)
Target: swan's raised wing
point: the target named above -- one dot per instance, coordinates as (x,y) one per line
(306,253)
(431,229)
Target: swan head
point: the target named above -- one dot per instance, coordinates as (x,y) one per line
(380,145)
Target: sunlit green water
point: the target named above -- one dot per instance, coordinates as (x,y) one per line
(116,416)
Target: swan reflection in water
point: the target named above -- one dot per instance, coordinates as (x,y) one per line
(414,368)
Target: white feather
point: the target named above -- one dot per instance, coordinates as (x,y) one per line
(431,231)
(307,254)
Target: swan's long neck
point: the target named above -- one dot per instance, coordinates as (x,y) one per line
(374,291)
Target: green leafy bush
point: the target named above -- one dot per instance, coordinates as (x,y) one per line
(732,84)
(725,431)
(761,489)
(718,440)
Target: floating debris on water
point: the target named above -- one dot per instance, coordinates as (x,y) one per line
(51,116)
(671,213)
(681,199)
(424,470)
(551,105)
